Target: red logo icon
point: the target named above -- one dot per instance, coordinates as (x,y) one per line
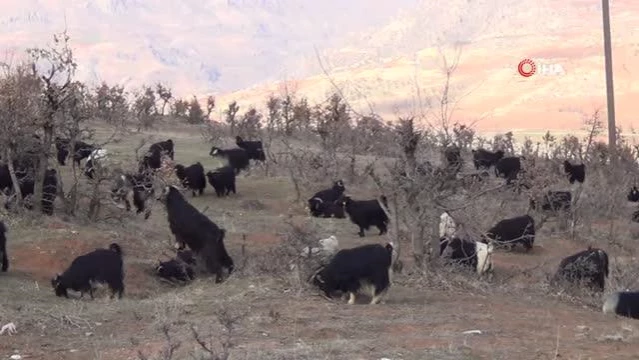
(526,68)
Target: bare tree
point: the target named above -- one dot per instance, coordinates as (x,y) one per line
(250,123)
(230,115)
(72,125)
(180,108)
(144,108)
(19,100)
(56,68)
(333,125)
(275,112)
(302,115)
(64,107)
(196,114)
(165,94)
(210,106)
(111,104)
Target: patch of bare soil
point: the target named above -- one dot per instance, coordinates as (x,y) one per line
(513,317)
(43,259)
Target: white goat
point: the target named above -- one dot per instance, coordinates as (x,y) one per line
(98,154)
(447,226)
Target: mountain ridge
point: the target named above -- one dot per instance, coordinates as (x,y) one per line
(376,52)
(495,96)
(192,46)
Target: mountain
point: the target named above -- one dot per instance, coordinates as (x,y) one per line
(195,46)
(384,56)
(397,68)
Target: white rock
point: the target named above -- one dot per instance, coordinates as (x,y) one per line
(9,328)
(326,246)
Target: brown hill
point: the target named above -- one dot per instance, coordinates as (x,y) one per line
(486,85)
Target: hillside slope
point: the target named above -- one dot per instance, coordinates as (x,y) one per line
(194,46)
(395,60)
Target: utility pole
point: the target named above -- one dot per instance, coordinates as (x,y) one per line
(610,91)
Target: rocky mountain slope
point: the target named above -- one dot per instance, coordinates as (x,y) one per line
(196,46)
(384,56)
(399,66)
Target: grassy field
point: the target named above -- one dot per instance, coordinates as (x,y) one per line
(259,315)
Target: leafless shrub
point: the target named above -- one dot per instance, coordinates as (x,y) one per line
(205,349)
(504,142)
(250,124)
(285,261)
(230,116)
(145,107)
(111,104)
(287,119)
(165,96)
(169,350)
(226,342)
(212,132)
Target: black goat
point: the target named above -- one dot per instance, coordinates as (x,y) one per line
(222,180)
(175,269)
(3,247)
(134,189)
(554,201)
(484,159)
(49,191)
(366,213)
(511,231)
(575,172)
(192,177)
(453,157)
(352,270)
(622,303)
(98,266)
(81,150)
(589,266)
(322,200)
(254,149)
(195,230)
(508,168)
(238,159)
(467,252)
(163,147)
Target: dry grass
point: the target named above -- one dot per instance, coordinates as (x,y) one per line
(266,311)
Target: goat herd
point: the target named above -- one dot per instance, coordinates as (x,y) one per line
(347,271)
(368,267)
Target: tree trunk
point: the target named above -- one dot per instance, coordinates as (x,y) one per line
(14,178)
(41,167)
(94,204)
(38,183)
(418,249)
(433,245)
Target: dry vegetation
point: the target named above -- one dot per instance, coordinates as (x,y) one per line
(266,310)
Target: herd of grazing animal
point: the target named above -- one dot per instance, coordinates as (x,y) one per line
(369,267)
(191,228)
(366,268)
